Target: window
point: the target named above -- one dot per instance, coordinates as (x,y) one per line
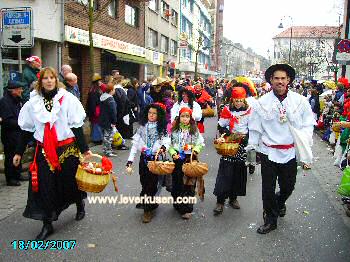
(131,15)
(112,8)
(173,47)
(152,38)
(154,5)
(186,27)
(174,17)
(86,3)
(165,8)
(164,44)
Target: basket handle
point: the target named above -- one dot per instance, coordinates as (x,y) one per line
(156,157)
(92,155)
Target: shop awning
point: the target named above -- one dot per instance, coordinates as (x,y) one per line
(130,58)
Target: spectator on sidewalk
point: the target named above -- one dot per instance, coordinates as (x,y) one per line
(10,105)
(65,69)
(30,75)
(71,83)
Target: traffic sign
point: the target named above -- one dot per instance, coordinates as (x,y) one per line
(16,25)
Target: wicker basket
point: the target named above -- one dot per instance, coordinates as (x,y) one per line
(90,182)
(195,168)
(160,167)
(208,112)
(230,146)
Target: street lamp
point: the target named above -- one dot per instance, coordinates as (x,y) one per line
(291,34)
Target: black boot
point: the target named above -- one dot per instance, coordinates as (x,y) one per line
(80,210)
(46,230)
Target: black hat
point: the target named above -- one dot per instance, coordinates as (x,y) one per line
(282,67)
(12,84)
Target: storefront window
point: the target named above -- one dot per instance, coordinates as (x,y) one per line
(131,15)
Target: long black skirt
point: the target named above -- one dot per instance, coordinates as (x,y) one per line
(57,190)
(231,179)
(179,189)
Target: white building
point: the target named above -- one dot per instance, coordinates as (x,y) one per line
(47,31)
(309,49)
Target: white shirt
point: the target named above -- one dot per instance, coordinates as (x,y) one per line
(243,118)
(70,114)
(196,110)
(265,127)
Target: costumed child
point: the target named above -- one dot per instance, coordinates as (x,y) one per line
(150,137)
(204,100)
(232,174)
(185,139)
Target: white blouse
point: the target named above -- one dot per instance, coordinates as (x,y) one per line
(243,119)
(267,127)
(196,114)
(70,114)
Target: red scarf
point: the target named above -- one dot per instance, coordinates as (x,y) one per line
(51,143)
(226,114)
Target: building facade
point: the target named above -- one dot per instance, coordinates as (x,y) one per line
(195,26)
(309,49)
(161,41)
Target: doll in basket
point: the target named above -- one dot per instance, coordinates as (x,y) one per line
(232,174)
(185,139)
(150,137)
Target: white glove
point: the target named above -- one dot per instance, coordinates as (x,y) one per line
(251,147)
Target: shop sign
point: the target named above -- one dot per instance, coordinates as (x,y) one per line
(79,36)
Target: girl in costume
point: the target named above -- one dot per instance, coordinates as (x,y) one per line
(232,174)
(56,117)
(185,139)
(204,100)
(150,137)
(186,99)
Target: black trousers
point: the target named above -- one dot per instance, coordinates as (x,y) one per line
(286,176)
(11,172)
(149,183)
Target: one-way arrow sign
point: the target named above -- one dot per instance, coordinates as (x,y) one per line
(16,38)
(16,24)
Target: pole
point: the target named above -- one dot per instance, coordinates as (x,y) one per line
(290,43)
(1,80)
(346,36)
(20,60)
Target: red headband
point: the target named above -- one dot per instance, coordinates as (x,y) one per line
(162,106)
(238,93)
(185,110)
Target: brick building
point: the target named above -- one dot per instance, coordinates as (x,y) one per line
(118,39)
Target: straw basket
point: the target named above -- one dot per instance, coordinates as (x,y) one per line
(230,146)
(160,167)
(195,168)
(208,112)
(89,181)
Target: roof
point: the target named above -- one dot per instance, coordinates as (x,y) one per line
(310,32)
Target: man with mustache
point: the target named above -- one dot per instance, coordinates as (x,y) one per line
(270,134)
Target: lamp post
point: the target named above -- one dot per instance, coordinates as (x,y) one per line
(291,35)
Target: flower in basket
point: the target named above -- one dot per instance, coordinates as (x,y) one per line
(187,147)
(107,165)
(147,151)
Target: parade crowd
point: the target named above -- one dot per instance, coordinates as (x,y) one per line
(270,120)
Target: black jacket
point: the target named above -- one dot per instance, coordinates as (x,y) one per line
(123,103)
(9,111)
(108,114)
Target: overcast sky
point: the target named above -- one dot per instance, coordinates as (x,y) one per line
(253,23)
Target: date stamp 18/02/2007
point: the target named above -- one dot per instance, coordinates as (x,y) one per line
(43,244)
